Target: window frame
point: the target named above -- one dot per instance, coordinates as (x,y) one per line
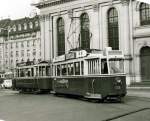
(113,28)
(60,36)
(144,14)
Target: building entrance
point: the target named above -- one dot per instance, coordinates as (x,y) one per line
(145,63)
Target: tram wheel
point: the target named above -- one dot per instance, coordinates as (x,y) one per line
(22,91)
(37,91)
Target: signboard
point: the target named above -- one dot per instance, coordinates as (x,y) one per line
(28,63)
(70,55)
(59,58)
(81,53)
(115,52)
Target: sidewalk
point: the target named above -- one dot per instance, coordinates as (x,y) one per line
(139,92)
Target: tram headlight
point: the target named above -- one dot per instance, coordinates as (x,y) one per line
(118,80)
(118,83)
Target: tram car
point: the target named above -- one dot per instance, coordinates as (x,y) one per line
(35,78)
(93,75)
(7,80)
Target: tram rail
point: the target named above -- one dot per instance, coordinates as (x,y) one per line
(126,114)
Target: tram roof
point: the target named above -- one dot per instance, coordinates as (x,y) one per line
(24,65)
(84,55)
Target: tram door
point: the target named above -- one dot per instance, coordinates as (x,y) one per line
(145,63)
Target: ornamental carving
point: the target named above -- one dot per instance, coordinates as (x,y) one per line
(95,7)
(145,43)
(137,5)
(70,13)
(125,2)
(47,17)
(42,18)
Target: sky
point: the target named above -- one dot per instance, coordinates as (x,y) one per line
(146,1)
(15,9)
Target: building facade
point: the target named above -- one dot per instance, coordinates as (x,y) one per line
(96,24)
(19,42)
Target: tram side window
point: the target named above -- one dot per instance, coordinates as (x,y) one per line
(40,71)
(64,69)
(22,74)
(32,72)
(58,70)
(77,68)
(48,71)
(104,67)
(17,73)
(82,68)
(43,71)
(70,69)
(37,71)
(28,73)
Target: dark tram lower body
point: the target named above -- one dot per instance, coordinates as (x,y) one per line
(36,85)
(91,87)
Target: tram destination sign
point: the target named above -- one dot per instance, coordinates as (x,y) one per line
(70,55)
(25,63)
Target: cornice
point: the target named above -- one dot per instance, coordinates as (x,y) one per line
(44,17)
(125,2)
(50,3)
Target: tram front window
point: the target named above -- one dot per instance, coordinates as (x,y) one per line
(104,67)
(64,70)
(58,70)
(22,73)
(48,71)
(70,69)
(116,66)
(77,68)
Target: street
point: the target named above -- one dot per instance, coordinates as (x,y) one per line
(47,107)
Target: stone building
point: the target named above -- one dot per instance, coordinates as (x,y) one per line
(19,42)
(96,24)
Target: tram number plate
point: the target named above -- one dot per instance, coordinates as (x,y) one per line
(117,87)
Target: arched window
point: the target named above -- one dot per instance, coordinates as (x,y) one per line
(36,23)
(14,28)
(19,27)
(113,33)
(25,26)
(22,60)
(31,25)
(145,65)
(60,36)
(145,14)
(34,60)
(85,32)
(17,61)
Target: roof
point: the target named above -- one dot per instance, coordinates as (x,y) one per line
(8,23)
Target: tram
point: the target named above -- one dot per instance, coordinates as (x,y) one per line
(7,80)
(34,78)
(92,75)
